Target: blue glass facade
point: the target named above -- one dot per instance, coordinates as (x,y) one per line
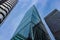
(27,26)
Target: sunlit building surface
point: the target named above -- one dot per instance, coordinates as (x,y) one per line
(5,7)
(31,27)
(53,22)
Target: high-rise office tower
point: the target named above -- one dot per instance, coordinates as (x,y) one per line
(5,8)
(53,22)
(31,27)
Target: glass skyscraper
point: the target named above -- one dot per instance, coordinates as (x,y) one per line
(31,27)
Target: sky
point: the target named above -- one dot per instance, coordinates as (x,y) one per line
(13,20)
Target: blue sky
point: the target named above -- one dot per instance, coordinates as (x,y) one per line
(9,26)
(46,6)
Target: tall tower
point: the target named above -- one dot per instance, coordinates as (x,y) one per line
(31,27)
(2,1)
(5,7)
(53,22)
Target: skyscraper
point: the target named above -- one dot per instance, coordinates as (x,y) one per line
(53,22)
(5,8)
(2,1)
(31,27)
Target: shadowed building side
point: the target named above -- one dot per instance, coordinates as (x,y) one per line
(53,22)
(2,1)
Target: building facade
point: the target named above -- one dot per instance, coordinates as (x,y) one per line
(53,22)
(31,27)
(5,7)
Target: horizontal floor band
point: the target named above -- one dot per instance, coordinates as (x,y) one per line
(4,8)
(2,15)
(1,10)
(8,5)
